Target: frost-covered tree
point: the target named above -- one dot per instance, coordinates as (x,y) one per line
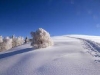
(17,41)
(21,40)
(6,44)
(41,39)
(1,39)
(14,41)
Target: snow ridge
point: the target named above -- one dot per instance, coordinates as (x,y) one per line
(68,56)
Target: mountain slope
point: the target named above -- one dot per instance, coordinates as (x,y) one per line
(68,56)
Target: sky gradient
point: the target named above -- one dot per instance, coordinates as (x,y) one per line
(58,17)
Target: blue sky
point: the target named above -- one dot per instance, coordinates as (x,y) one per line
(59,17)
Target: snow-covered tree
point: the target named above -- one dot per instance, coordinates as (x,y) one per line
(6,44)
(17,41)
(21,40)
(14,41)
(1,39)
(41,39)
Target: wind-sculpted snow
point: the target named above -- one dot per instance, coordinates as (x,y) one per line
(66,57)
(92,47)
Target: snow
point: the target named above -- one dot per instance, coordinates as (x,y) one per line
(69,56)
(6,44)
(93,38)
(92,43)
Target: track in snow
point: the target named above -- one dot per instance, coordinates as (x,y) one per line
(92,47)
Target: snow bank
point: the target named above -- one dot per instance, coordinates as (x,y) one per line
(66,57)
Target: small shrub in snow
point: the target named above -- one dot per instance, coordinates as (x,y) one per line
(17,41)
(1,39)
(21,40)
(6,44)
(41,39)
(14,41)
(26,40)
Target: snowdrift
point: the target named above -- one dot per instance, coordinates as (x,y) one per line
(68,56)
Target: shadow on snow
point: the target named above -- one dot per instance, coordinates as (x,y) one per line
(15,52)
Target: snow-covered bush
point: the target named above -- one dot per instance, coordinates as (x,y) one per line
(21,40)
(17,41)
(41,39)
(1,39)
(14,41)
(6,44)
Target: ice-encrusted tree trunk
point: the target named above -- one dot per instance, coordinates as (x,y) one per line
(20,40)
(41,39)
(6,44)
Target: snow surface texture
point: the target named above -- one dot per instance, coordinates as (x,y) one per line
(68,56)
(41,39)
(92,43)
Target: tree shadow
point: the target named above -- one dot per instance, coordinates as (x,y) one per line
(15,52)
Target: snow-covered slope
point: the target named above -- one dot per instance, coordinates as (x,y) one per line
(93,38)
(92,43)
(69,56)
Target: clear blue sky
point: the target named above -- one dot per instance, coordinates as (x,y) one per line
(59,17)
